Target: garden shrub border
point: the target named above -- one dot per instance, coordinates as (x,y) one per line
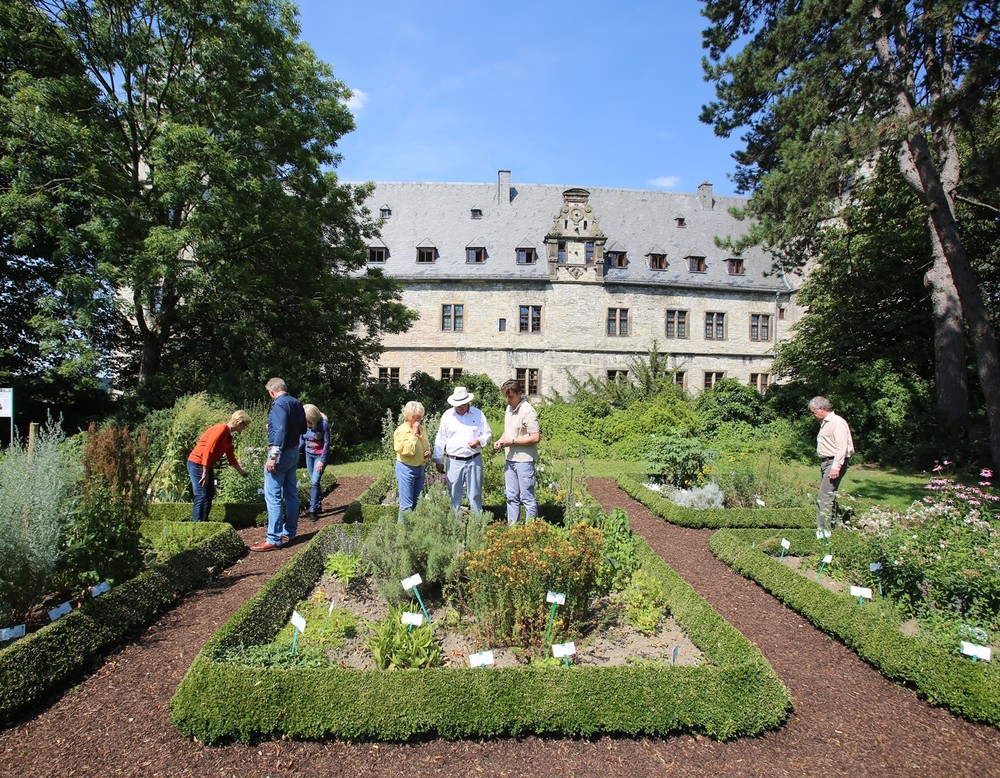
(715,518)
(736,694)
(47,660)
(966,688)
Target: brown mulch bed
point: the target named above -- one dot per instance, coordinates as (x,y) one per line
(848,719)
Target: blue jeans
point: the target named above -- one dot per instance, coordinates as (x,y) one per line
(203,495)
(468,475)
(519,484)
(282,496)
(315,490)
(410,479)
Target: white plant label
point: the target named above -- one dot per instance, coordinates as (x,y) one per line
(786,544)
(979,652)
(414,619)
(413,580)
(9,633)
(559,650)
(60,610)
(330,612)
(827,533)
(819,534)
(482,659)
(875,566)
(861,591)
(557,597)
(101,588)
(827,559)
(299,622)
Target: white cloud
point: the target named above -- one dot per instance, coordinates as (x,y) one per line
(357,101)
(666,182)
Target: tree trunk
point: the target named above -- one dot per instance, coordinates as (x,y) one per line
(945,230)
(951,386)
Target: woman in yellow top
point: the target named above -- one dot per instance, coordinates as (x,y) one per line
(412,450)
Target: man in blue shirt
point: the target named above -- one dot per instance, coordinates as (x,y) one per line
(286,423)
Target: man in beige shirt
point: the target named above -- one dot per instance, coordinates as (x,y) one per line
(834,446)
(520,437)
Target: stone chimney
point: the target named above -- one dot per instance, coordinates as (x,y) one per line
(503,187)
(705,196)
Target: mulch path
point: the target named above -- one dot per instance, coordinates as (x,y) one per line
(848,719)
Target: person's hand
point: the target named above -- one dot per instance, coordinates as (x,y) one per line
(204,476)
(834,473)
(498,444)
(242,472)
(439,466)
(271,466)
(320,466)
(427,454)
(474,443)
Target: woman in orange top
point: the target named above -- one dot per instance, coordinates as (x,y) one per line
(214,442)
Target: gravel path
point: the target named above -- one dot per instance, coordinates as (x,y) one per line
(848,719)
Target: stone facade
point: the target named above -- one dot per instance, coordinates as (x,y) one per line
(540,282)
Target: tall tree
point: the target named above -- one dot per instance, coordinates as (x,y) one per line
(826,88)
(211,208)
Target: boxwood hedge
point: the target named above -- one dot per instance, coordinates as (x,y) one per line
(967,688)
(715,517)
(47,660)
(736,693)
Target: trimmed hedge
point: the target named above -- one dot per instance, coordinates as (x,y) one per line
(967,688)
(736,693)
(46,660)
(715,518)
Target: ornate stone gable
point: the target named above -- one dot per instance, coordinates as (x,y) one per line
(575,243)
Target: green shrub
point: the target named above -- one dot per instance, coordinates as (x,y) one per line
(755,480)
(645,602)
(618,556)
(398,646)
(37,497)
(677,460)
(508,579)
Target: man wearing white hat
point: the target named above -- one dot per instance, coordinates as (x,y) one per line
(462,434)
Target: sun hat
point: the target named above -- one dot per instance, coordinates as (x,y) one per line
(460,396)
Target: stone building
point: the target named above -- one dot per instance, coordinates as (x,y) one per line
(539,282)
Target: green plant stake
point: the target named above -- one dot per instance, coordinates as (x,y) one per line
(556,598)
(827,559)
(875,567)
(411,583)
(785,545)
(299,622)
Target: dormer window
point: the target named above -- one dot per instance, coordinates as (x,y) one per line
(736,267)
(617,259)
(527,256)
(426,256)
(385,212)
(697,264)
(657,261)
(377,253)
(475,255)
(477,213)
(681,222)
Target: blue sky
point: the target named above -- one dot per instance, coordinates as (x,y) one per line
(585,93)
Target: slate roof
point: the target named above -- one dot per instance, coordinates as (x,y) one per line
(637,221)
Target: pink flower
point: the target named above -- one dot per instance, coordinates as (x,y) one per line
(937,468)
(985,473)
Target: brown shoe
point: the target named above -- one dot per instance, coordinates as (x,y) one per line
(264,546)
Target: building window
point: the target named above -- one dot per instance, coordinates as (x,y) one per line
(715,326)
(426,256)
(760,326)
(388,376)
(677,324)
(526,257)
(385,212)
(617,259)
(618,321)
(781,313)
(529,318)
(451,373)
(527,377)
(377,254)
(760,381)
(502,327)
(736,267)
(657,261)
(452,317)
(477,213)
(588,251)
(561,252)
(475,255)
(617,375)
(711,379)
(681,222)
(697,264)
(679,378)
